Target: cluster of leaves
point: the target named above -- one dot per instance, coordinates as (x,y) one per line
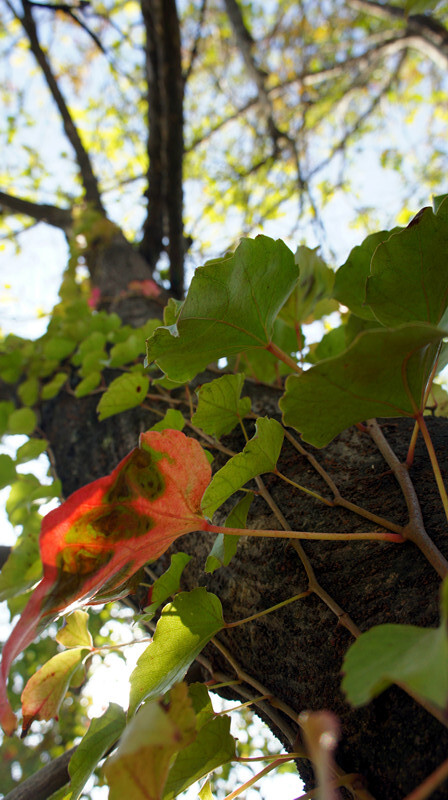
(251,308)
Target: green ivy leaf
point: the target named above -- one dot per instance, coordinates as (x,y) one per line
(405,654)
(127,351)
(6,409)
(408,279)
(350,280)
(125,392)
(58,348)
(225,547)
(173,419)
(315,283)
(7,470)
(28,391)
(230,307)
(139,767)
(383,373)
(260,455)
(102,734)
(75,631)
(23,420)
(54,386)
(88,384)
(212,747)
(220,406)
(23,567)
(167,585)
(30,450)
(183,630)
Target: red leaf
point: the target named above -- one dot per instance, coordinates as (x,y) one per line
(94,543)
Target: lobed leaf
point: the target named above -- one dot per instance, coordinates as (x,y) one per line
(230,307)
(183,630)
(383,373)
(220,406)
(259,455)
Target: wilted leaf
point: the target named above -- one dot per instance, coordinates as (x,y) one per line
(220,406)
(46,689)
(230,307)
(259,455)
(183,630)
(139,767)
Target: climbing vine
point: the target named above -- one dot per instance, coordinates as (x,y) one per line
(245,318)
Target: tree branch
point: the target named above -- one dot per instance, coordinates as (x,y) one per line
(429,36)
(46,782)
(88,178)
(165,141)
(52,215)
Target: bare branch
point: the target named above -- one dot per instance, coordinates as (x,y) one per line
(53,215)
(46,782)
(89,180)
(195,47)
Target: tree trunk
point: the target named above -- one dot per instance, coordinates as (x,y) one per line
(297,651)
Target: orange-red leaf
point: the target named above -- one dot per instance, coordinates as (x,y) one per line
(95,542)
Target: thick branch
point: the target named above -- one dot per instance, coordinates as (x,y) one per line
(45,782)
(89,180)
(165,143)
(52,215)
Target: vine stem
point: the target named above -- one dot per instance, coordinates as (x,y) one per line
(268,610)
(431,783)
(309,535)
(282,356)
(255,778)
(415,529)
(434,463)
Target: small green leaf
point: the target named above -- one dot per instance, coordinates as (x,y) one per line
(23,420)
(225,547)
(167,585)
(127,351)
(88,384)
(28,391)
(7,470)
(139,767)
(230,307)
(54,386)
(212,747)
(75,631)
(403,654)
(58,348)
(173,419)
(102,734)
(220,407)
(46,689)
(6,408)
(206,792)
(183,630)
(260,455)
(30,450)
(383,373)
(125,392)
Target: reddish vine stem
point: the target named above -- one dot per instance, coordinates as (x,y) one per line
(434,463)
(282,356)
(415,529)
(327,536)
(313,584)
(338,500)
